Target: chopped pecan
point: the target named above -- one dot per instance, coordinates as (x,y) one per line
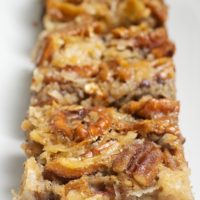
(157,127)
(135,10)
(169,160)
(81,132)
(84,71)
(123,73)
(153,39)
(120,32)
(104,72)
(167,49)
(46,50)
(149,108)
(62,10)
(59,124)
(158,9)
(100,126)
(61,119)
(74,125)
(157,41)
(32,149)
(139,161)
(164,69)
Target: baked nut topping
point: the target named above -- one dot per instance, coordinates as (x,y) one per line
(61,124)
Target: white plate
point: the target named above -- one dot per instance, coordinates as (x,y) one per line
(17,37)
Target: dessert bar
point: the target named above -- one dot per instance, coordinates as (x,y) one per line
(103,153)
(103,117)
(108,70)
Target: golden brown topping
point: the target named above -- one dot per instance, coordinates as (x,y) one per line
(140,161)
(68,125)
(149,108)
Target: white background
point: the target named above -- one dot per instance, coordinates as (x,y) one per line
(17,37)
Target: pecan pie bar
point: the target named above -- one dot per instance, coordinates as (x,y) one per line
(123,65)
(102,153)
(103,117)
(105,14)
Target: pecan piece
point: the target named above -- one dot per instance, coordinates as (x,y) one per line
(149,108)
(45,50)
(157,127)
(153,39)
(158,9)
(78,125)
(63,10)
(140,161)
(59,124)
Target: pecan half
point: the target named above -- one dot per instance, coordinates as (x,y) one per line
(139,161)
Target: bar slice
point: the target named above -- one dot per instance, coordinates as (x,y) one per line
(103,70)
(103,119)
(105,14)
(103,153)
